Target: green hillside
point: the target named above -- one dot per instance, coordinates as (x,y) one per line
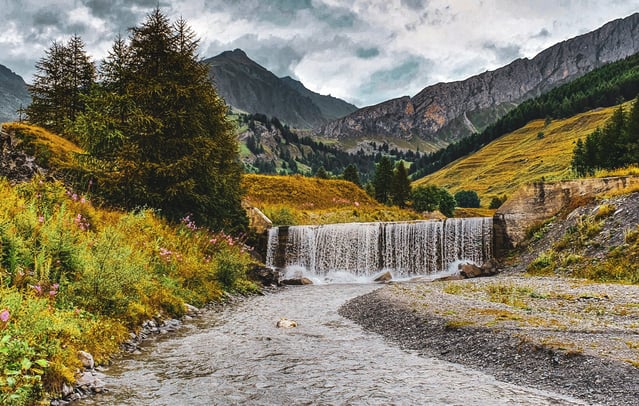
(539,150)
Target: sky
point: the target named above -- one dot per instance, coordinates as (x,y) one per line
(363,51)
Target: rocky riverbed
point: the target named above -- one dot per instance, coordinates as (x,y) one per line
(569,336)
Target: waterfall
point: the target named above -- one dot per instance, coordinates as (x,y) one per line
(363,249)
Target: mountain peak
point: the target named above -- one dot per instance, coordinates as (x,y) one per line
(248,86)
(447,112)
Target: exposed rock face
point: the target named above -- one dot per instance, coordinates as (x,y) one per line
(535,203)
(15,165)
(247,86)
(450,111)
(13,94)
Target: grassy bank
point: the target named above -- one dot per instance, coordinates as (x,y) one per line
(293,200)
(74,277)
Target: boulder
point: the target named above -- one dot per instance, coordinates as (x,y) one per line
(297,281)
(488,268)
(383,277)
(263,275)
(86,359)
(286,323)
(469,270)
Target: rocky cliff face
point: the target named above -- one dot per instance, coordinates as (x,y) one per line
(13,94)
(451,111)
(533,204)
(247,86)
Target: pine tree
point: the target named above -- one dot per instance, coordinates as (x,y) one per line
(64,77)
(351,174)
(383,180)
(401,185)
(175,150)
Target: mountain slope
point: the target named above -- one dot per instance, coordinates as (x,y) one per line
(13,94)
(535,151)
(331,107)
(249,87)
(451,111)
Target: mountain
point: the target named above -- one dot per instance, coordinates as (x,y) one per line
(451,111)
(247,86)
(13,95)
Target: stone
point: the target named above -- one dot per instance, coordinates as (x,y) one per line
(190,309)
(264,275)
(383,277)
(86,359)
(469,270)
(297,281)
(286,323)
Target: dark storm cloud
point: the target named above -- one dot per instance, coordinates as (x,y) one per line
(47,17)
(544,33)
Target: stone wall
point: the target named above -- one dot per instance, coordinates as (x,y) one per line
(535,203)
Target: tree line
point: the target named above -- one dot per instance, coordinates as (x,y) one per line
(603,87)
(613,146)
(154,129)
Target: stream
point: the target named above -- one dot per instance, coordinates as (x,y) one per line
(238,356)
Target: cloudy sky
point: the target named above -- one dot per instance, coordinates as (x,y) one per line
(364,51)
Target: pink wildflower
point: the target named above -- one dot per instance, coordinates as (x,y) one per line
(356,204)
(41,219)
(4,315)
(38,289)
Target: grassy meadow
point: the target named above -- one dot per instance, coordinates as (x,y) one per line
(535,152)
(295,200)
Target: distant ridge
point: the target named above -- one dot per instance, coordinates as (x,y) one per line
(13,94)
(451,111)
(248,86)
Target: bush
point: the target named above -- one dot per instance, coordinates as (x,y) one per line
(467,198)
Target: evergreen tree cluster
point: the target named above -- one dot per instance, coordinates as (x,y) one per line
(391,185)
(616,145)
(603,87)
(155,131)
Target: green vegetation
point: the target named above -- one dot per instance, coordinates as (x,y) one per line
(504,165)
(154,130)
(430,197)
(467,198)
(604,87)
(299,200)
(75,277)
(568,255)
(615,145)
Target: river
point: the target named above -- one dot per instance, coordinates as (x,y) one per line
(238,356)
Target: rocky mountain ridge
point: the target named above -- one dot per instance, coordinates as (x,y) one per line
(13,94)
(451,111)
(249,87)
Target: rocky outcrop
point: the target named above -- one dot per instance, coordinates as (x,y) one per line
(533,204)
(16,165)
(450,111)
(13,95)
(247,86)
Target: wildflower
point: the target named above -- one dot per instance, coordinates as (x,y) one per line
(74,197)
(40,219)
(38,289)
(356,204)
(4,315)
(83,200)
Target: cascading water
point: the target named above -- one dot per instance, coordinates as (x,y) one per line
(363,249)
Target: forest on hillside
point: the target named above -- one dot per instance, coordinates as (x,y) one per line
(603,87)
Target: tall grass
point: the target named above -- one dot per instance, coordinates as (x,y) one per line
(76,277)
(520,157)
